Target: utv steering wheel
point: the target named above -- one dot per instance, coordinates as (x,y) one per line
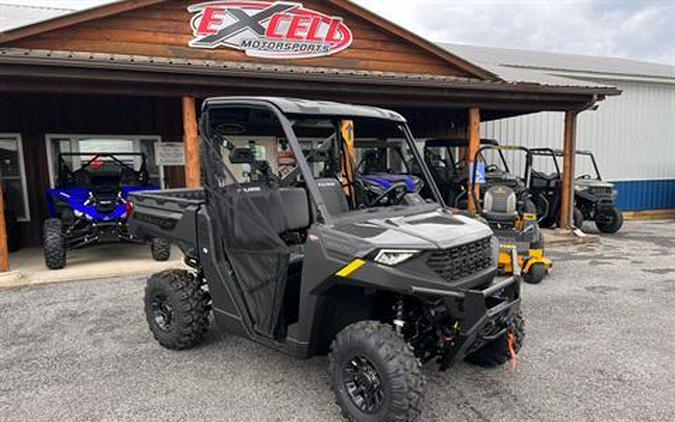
(395,193)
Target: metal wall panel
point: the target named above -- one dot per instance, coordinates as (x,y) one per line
(633,137)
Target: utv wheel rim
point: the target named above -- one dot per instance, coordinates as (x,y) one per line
(162,312)
(363,385)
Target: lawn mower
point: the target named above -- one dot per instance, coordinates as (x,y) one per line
(505,203)
(306,266)
(90,205)
(452,174)
(594,198)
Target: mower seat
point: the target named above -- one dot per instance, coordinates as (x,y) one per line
(499,204)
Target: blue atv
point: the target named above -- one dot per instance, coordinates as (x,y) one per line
(386,183)
(89,205)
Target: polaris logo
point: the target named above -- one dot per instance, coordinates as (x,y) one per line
(273,30)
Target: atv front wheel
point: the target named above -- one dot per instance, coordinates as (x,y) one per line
(161,249)
(498,352)
(375,374)
(177,309)
(610,221)
(53,244)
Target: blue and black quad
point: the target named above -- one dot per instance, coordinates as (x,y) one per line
(89,205)
(384,174)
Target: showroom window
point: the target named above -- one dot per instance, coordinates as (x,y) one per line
(13,175)
(91,144)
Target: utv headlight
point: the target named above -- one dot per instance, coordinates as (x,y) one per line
(580,188)
(393,257)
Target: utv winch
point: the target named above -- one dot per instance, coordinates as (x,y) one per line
(90,204)
(594,198)
(293,254)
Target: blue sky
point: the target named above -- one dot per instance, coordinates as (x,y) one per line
(637,29)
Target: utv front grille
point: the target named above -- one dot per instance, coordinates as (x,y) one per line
(462,261)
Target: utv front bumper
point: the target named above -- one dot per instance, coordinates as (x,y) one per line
(483,315)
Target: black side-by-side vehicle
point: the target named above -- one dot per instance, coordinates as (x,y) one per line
(594,198)
(287,255)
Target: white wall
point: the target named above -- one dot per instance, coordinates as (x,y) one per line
(633,135)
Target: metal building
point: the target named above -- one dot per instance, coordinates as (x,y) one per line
(632,135)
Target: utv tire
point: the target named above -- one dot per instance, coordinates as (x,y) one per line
(375,375)
(161,250)
(497,352)
(53,244)
(535,274)
(578,219)
(177,309)
(614,221)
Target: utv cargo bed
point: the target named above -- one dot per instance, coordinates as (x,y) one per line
(170,215)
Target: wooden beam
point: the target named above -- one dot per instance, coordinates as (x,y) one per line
(473,132)
(569,159)
(191,141)
(4,250)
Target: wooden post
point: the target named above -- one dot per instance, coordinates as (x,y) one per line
(569,159)
(4,251)
(191,141)
(473,132)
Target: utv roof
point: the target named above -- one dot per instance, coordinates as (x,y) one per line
(456,142)
(309,107)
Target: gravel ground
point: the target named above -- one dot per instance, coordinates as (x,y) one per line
(599,347)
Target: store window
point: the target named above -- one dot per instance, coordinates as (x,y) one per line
(13,175)
(92,144)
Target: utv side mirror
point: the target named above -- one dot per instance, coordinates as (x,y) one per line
(242,156)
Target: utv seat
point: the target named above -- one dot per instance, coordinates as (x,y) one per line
(333,196)
(543,180)
(499,204)
(286,209)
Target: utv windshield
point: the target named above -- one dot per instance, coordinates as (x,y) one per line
(362,165)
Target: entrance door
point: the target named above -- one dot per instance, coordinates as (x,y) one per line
(57,144)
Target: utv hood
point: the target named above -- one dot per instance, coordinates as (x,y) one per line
(593,183)
(432,230)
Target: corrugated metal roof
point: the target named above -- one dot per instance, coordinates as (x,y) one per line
(194,66)
(519,65)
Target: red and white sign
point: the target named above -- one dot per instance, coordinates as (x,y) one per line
(273,30)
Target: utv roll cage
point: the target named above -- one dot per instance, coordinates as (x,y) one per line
(286,110)
(556,153)
(480,154)
(449,143)
(67,176)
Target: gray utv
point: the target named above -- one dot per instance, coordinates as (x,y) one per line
(290,249)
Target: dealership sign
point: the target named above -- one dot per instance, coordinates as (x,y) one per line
(273,30)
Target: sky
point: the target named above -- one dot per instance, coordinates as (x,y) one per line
(635,29)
